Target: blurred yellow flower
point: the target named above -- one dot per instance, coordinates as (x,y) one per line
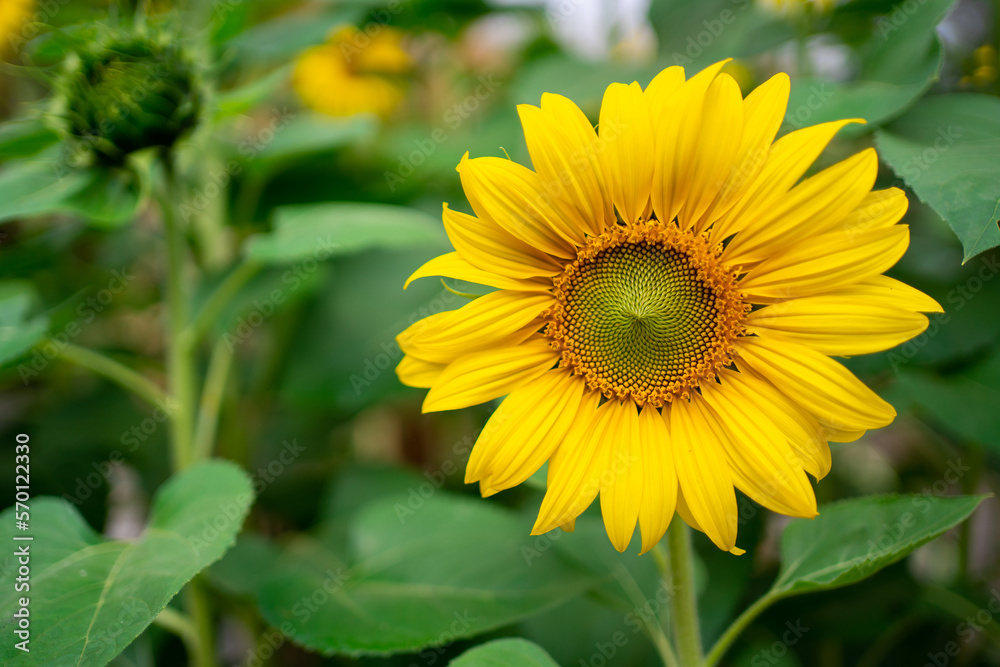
(670,290)
(796,7)
(13,14)
(354,72)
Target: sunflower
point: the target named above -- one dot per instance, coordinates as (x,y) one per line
(354,72)
(13,15)
(668,296)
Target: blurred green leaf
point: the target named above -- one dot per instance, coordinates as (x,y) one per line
(24,137)
(103,197)
(947,149)
(853,539)
(18,331)
(281,38)
(90,598)
(244,99)
(963,406)
(308,134)
(322,231)
(422,571)
(37,187)
(244,567)
(110,199)
(505,653)
(900,61)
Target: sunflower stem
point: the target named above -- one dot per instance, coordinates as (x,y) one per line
(679,577)
(738,626)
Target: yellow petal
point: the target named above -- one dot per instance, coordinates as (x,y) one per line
(576,467)
(763,112)
(813,207)
(825,262)
(680,137)
(881,208)
(659,495)
(626,134)
(703,472)
(803,432)
(622,485)
(451,265)
(888,292)
(837,325)
(661,91)
(488,247)
(525,430)
(482,376)
(721,135)
(415,372)
(512,196)
(764,466)
(495,319)
(565,152)
(787,160)
(828,390)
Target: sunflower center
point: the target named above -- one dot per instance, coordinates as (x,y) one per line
(646,312)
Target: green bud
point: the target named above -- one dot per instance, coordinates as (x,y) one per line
(128,95)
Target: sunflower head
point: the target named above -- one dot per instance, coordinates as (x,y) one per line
(129,94)
(354,72)
(670,289)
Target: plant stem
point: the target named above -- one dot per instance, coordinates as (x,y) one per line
(222,295)
(655,632)
(684,603)
(737,626)
(180,625)
(201,613)
(180,367)
(211,399)
(111,369)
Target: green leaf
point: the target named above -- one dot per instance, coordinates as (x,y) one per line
(421,570)
(326,230)
(25,137)
(37,187)
(312,134)
(40,187)
(18,331)
(900,61)
(947,149)
(110,199)
(964,406)
(854,539)
(90,598)
(505,653)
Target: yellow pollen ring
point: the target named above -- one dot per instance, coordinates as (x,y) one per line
(647,312)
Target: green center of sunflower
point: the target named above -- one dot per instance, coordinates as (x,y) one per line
(646,312)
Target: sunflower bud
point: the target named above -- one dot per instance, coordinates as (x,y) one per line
(129,95)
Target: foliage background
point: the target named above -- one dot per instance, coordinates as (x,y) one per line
(311,408)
